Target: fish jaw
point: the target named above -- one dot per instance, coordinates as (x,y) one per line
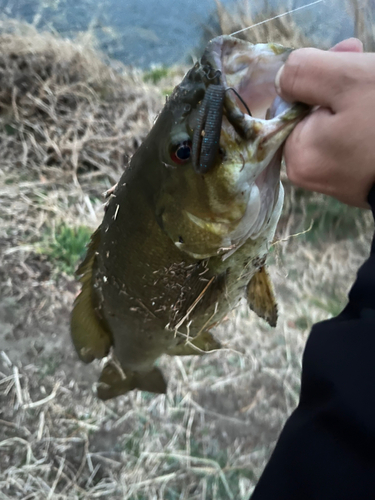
(248,68)
(252,107)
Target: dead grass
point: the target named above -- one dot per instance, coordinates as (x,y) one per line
(245,13)
(211,433)
(363,14)
(64,112)
(68,122)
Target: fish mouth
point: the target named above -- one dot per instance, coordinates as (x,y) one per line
(240,86)
(236,125)
(249,70)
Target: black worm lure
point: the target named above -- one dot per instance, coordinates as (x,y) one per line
(206,138)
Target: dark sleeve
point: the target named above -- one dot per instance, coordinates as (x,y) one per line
(326,450)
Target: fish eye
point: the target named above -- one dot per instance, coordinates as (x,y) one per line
(181,152)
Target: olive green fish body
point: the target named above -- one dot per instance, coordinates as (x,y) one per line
(186,231)
(144,285)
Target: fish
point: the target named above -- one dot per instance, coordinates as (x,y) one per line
(188,226)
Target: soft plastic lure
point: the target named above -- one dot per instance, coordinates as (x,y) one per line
(206,136)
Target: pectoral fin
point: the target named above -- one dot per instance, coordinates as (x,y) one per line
(114,381)
(89,336)
(261,297)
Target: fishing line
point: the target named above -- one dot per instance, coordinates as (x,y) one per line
(240,98)
(277,17)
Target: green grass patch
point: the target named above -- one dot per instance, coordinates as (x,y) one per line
(9,129)
(332,306)
(65,246)
(156,74)
(48,366)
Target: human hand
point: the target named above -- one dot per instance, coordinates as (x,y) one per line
(332,151)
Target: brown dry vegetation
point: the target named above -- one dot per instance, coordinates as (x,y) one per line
(363,14)
(283,30)
(68,123)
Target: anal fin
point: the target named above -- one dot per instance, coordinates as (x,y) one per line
(261,297)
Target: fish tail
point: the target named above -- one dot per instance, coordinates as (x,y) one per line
(114,381)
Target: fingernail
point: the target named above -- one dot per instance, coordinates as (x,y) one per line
(357,42)
(277,79)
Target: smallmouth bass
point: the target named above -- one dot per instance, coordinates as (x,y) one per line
(188,226)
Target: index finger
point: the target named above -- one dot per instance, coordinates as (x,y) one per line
(348,45)
(319,77)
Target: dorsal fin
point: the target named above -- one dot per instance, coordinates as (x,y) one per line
(261,297)
(91,340)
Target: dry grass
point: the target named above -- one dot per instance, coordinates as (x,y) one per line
(64,112)
(363,14)
(208,438)
(68,124)
(246,13)
(64,139)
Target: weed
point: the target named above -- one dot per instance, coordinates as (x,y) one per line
(9,130)
(331,305)
(65,246)
(154,75)
(332,217)
(329,298)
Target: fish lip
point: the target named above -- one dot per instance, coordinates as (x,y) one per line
(252,68)
(300,111)
(213,56)
(218,52)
